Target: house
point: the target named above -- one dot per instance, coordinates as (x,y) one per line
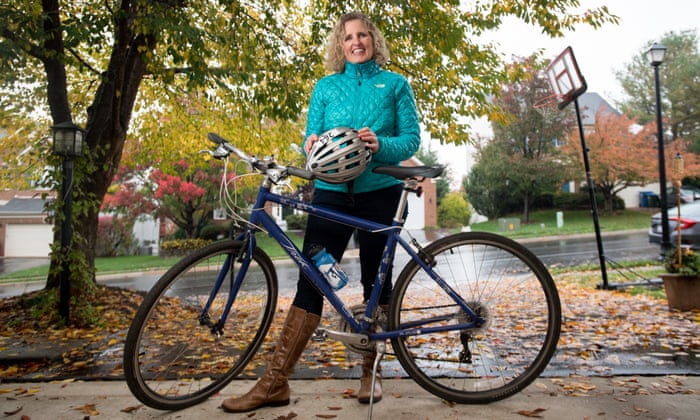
(590,103)
(24,230)
(422,211)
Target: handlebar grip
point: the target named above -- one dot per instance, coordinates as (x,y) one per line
(301,173)
(216,138)
(222,142)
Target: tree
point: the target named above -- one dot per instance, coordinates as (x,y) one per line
(115,236)
(487,185)
(430,157)
(19,145)
(624,154)
(620,154)
(189,198)
(87,61)
(186,195)
(680,87)
(523,151)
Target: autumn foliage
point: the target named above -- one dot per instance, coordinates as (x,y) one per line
(623,154)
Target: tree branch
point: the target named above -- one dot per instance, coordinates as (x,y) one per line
(31,49)
(83,62)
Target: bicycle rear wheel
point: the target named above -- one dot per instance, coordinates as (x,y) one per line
(174,356)
(502,282)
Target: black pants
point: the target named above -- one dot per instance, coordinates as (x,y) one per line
(378,206)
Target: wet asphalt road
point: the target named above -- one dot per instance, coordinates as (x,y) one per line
(557,252)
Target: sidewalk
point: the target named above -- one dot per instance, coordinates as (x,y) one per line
(660,397)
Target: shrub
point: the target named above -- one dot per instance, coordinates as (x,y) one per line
(580,201)
(177,247)
(453,211)
(296,221)
(215,231)
(115,237)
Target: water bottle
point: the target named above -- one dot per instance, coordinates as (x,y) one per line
(329,267)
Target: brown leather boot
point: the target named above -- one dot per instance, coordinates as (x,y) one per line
(363,395)
(272,390)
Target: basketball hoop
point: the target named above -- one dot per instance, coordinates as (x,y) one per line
(548,106)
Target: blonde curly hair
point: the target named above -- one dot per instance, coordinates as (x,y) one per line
(335,57)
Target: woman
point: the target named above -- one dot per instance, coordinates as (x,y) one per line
(381,106)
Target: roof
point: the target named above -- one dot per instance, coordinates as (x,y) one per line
(590,103)
(24,206)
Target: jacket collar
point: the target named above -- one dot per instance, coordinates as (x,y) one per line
(362,70)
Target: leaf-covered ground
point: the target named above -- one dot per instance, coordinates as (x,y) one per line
(604,332)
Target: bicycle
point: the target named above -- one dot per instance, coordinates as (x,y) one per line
(474,317)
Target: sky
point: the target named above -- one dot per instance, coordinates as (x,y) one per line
(599,53)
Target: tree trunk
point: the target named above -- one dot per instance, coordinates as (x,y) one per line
(526,209)
(108,119)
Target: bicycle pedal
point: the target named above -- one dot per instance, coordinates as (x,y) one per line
(319,335)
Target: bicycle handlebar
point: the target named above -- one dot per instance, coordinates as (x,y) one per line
(263,165)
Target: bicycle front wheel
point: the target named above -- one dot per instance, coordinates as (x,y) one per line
(177,353)
(505,284)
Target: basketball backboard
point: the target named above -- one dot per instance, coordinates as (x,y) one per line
(565,78)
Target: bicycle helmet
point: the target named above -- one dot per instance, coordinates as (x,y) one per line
(338,156)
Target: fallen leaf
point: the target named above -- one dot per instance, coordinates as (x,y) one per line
(89,409)
(534,413)
(13,412)
(131,409)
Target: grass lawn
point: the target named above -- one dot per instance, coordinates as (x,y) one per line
(542,223)
(139,262)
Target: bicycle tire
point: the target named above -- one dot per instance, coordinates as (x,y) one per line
(171,359)
(504,283)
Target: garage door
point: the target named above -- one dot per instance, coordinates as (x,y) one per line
(28,240)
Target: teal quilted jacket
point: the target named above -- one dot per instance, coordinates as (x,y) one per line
(365,95)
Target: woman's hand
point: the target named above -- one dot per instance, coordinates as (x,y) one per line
(310,143)
(370,138)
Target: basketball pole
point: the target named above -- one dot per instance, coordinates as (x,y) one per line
(568,83)
(591,196)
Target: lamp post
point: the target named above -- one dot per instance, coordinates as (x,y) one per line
(68,143)
(656,56)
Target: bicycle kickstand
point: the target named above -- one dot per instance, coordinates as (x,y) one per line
(381,349)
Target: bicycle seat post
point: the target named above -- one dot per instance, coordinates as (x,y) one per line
(409,186)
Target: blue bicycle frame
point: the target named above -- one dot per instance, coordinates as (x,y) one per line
(260,218)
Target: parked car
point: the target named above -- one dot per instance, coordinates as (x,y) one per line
(687,196)
(695,190)
(689,222)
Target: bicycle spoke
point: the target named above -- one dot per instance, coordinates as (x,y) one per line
(173,358)
(503,285)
